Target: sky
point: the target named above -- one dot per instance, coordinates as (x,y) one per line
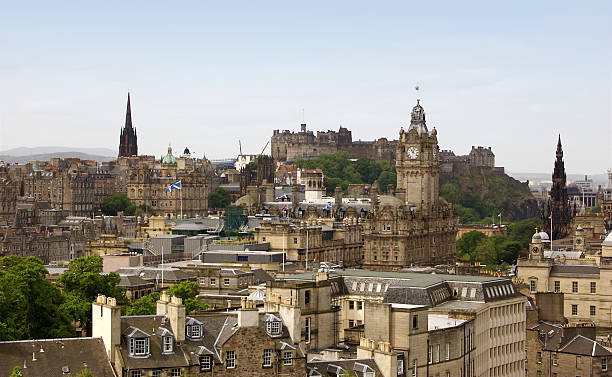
(510,75)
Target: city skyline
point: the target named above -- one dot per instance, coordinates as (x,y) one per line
(210,77)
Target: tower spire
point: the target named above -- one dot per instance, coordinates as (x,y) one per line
(128,114)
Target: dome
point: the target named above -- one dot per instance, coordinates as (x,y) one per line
(169,158)
(579,229)
(389,200)
(608,240)
(536,236)
(544,236)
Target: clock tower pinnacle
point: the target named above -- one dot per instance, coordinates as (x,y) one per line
(417,162)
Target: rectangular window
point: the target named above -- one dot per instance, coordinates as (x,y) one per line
(592,311)
(414,368)
(574,309)
(136,373)
(557,286)
(205,363)
(604,364)
(307,297)
(275,328)
(167,344)
(437,359)
(140,347)
(351,323)
(295,240)
(202,281)
(593,287)
(230,359)
(415,321)
(359,305)
(195,331)
(307,325)
(575,287)
(213,281)
(156,373)
(447,353)
(267,358)
(351,305)
(430,355)
(539,357)
(226,281)
(287,358)
(400,366)
(176,372)
(532,286)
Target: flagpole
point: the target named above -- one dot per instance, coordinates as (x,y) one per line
(181,196)
(284,241)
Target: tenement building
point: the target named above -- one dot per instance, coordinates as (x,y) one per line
(584,281)
(420,325)
(415,226)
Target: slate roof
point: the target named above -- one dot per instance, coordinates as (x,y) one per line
(564,269)
(132,281)
(579,345)
(340,367)
(51,355)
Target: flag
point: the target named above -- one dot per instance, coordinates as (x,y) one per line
(174,186)
(499,215)
(328,205)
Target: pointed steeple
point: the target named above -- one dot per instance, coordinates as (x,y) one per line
(128,141)
(559,148)
(128,114)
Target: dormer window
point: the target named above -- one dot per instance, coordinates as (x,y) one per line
(273,327)
(168,344)
(139,346)
(193,328)
(196,331)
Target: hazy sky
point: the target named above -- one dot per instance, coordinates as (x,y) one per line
(511,75)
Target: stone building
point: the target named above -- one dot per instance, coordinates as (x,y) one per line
(584,282)
(170,343)
(148,182)
(414,226)
(480,156)
(446,325)
(288,146)
(566,351)
(314,241)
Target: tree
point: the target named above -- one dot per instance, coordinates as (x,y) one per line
(188,290)
(85,373)
(81,285)
(220,198)
(118,202)
(468,242)
(29,304)
(16,372)
(145,305)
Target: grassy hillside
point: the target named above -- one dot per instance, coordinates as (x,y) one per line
(479,195)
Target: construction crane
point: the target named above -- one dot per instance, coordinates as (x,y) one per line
(264,148)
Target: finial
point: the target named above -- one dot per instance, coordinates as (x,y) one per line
(418,101)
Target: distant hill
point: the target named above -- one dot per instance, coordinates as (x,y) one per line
(598,179)
(479,193)
(24,154)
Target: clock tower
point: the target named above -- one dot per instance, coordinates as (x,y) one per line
(418,162)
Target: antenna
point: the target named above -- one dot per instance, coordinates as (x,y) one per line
(303,119)
(240,145)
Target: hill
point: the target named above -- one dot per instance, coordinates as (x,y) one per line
(24,154)
(479,194)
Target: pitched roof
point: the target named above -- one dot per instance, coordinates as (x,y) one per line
(565,269)
(579,345)
(338,367)
(47,357)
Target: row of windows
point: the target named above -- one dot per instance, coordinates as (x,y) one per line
(175,372)
(230,359)
(434,357)
(352,305)
(592,310)
(592,286)
(213,281)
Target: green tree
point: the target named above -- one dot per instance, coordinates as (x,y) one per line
(16,372)
(82,282)
(466,245)
(220,198)
(145,305)
(85,373)
(116,203)
(29,304)
(188,290)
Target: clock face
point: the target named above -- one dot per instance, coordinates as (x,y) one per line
(412,153)
(534,250)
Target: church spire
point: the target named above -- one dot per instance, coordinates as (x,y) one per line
(559,148)
(128,114)
(128,141)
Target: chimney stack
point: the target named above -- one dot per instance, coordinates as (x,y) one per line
(248,315)
(106,323)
